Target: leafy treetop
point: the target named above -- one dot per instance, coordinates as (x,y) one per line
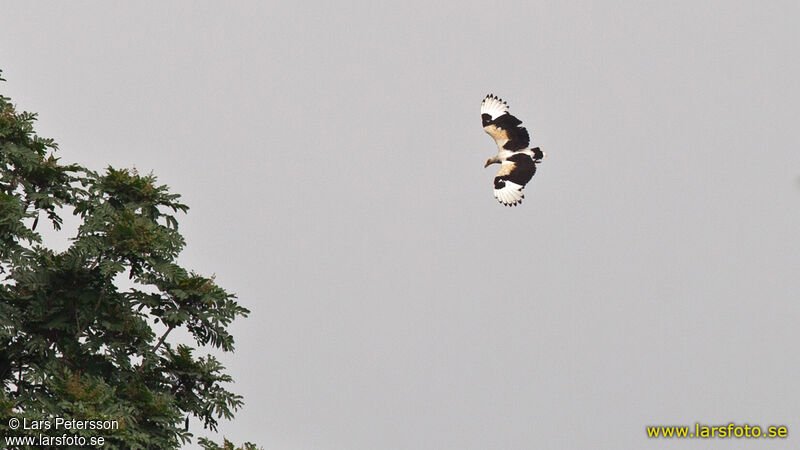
(76,339)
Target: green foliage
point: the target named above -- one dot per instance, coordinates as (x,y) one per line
(76,339)
(226,445)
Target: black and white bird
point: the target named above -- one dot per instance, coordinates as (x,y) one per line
(517,161)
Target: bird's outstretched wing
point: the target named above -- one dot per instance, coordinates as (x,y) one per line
(504,128)
(514,174)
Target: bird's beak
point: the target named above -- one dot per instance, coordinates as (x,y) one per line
(488,161)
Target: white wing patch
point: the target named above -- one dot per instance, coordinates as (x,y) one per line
(510,194)
(493,106)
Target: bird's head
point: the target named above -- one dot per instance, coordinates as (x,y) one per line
(491,161)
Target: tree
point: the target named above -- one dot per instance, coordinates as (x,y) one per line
(226,445)
(84,333)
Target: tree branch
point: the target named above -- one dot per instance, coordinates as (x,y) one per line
(163,336)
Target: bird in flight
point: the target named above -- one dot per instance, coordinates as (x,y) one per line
(517,161)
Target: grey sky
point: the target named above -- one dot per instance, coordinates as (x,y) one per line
(332,156)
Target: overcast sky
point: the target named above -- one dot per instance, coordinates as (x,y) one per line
(332,157)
